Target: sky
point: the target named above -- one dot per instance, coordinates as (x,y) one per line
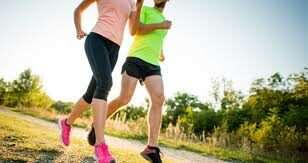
(239,39)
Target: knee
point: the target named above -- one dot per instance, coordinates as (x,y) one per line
(107,84)
(87,98)
(104,84)
(102,88)
(158,99)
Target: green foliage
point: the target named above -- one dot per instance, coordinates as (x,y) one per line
(131,113)
(88,113)
(297,104)
(25,91)
(225,96)
(288,96)
(3,90)
(233,118)
(206,121)
(181,107)
(62,107)
(272,135)
(272,120)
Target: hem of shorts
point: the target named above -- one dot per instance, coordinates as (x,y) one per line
(129,74)
(143,60)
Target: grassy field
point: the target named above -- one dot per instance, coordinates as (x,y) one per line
(204,149)
(22,141)
(201,148)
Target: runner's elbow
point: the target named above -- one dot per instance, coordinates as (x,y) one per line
(77,11)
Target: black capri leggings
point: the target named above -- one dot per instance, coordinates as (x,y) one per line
(102,55)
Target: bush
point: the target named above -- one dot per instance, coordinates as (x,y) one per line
(274,136)
(132,112)
(233,118)
(87,113)
(62,107)
(246,134)
(206,121)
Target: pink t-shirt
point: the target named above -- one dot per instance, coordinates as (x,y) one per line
(112,18)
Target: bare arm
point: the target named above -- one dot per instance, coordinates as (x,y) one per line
(142,29)
(134,18)
(77,17)
(147,28)
(136,27)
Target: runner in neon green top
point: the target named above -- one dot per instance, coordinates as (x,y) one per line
(142,64)
(148,47)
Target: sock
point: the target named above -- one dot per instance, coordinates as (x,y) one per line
(152,147)
(66,123)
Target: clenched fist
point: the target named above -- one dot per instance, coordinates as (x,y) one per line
(166,24)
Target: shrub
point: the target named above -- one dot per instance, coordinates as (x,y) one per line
(62,107)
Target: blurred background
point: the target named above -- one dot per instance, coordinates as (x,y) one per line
(240,40)
(235,74)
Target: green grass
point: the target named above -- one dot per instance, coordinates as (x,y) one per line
(201,148)
(22,141)
(220,153)
(205,149)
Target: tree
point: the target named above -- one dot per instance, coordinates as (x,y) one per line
(3,90)
(266,94)
(206,121)
(181,107)
(297,102)
(26,91)
(233,118)
(177,106)
(225,96)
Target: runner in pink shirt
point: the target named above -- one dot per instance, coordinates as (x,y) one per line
(102,47)
(112,18)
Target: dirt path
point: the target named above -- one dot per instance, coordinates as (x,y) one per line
(132,145)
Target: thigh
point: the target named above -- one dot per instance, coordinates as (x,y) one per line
(98,57)
(128,85)
(155,86)
(91,86)
(113,56)
(88,95)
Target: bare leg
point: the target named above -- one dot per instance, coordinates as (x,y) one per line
(128,86)
(99,118)
(80,106)
(155,88)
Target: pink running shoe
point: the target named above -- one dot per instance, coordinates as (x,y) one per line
(102,155)
(64,131)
